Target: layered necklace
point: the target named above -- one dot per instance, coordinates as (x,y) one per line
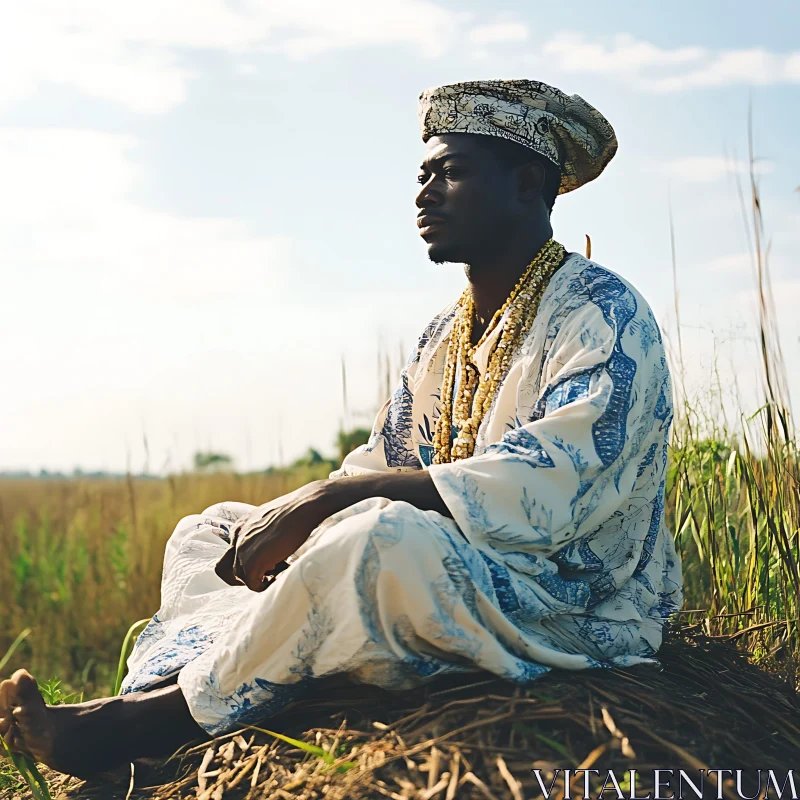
(475,396)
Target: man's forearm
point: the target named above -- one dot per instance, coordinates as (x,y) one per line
(284,524)
(416,488)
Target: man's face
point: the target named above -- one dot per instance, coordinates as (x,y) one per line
(467,200)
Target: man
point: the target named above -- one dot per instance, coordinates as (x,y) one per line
(507,513)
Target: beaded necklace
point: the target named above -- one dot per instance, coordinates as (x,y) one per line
(467,409)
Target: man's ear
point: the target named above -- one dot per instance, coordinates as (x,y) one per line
(530,181)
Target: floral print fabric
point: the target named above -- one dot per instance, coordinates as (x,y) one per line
(557,555)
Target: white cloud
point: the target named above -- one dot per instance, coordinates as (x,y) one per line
(706,169)
(499,33)
(319,25)
(134,54)
(652,68)
(576,53)
(66,216)
(130,53)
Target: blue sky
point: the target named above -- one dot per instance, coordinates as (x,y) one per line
(206,206)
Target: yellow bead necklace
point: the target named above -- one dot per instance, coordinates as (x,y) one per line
(475,397)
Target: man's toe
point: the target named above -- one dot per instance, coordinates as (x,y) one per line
(6,717)
(6,721)
(11,737)
(4,701)
(23,691)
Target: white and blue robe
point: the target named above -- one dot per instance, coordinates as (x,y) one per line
(556,556)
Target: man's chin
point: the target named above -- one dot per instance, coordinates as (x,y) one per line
(442,254)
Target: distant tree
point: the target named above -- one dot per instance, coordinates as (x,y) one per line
(347,441)
(212,462)
(311,457)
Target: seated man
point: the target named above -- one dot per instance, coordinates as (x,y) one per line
(507,513)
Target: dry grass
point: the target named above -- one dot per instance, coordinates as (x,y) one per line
(82,561)
(480,737)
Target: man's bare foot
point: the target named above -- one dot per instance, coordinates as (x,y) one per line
(88,738)
(65,738)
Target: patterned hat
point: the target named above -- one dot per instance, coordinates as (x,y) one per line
(563,128)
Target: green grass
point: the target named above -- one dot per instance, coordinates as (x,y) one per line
(82,562)
(736,517)
(733,499)
(311,749)
(127,648)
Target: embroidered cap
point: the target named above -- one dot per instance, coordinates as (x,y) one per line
(563,128)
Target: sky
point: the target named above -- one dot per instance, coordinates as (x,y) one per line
(207,207)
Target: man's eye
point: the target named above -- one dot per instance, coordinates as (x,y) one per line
(452,173)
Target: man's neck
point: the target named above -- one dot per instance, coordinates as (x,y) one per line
(494,278)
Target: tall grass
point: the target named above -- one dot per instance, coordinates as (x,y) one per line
(82,562)
(736,514)
(734,494)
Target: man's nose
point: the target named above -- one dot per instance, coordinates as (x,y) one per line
(428,196)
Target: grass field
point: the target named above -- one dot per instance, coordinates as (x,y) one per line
(83,562)
(83,558)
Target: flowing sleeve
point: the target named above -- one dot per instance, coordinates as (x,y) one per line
(389,448)
(593,450)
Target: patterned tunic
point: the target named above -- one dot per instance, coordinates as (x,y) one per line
(557,554)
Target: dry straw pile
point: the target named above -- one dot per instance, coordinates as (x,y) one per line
(708,708)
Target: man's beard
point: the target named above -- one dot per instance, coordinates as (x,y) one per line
(445,255)
(474,247)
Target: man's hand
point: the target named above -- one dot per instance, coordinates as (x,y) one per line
(273,531)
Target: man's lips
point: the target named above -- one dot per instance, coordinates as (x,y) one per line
(428,223)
